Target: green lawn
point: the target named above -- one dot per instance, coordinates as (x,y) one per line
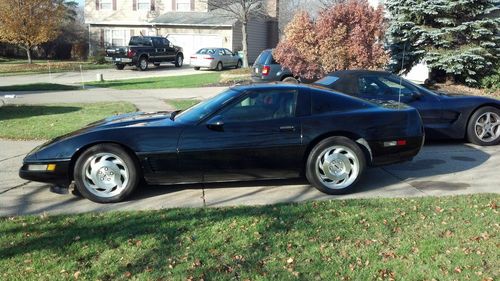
(181,104)
(184,81)
(52,120)
(39,87)
(444,238)
(9,66)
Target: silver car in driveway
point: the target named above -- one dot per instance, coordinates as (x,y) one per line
(215,58)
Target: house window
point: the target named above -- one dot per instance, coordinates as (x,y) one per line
(106,5)
(143,5)
(115,37)
(183,5)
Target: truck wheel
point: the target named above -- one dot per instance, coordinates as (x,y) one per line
(119,66)
(143,64)
(196,68)
(179,60)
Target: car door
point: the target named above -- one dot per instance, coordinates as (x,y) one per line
(231,58)
(257,136)
(391,88)
(159,53)
(170,51)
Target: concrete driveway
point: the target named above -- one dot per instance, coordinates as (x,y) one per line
(75,77)
(440,169)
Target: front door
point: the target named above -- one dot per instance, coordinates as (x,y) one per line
(257,136)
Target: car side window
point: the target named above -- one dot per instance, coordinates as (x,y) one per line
(165,42)
(221,52)
(263,105)
(158,43)
(382,88)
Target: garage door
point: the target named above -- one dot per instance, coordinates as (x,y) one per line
(193,42)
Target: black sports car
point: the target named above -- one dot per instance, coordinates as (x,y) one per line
(445,116)
(244,133)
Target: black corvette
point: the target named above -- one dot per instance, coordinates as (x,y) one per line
(244,133)
(445,116)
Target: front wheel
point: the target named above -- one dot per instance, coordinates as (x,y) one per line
(179,60)
(335,165)
(484,126)
(219,66)
(105,173)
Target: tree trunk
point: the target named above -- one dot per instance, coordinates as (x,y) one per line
(28,52)
(245,43)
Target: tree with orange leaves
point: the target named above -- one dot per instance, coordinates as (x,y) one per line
(29,23)
(346,35)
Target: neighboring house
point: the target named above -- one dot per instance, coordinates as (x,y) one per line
(187,23)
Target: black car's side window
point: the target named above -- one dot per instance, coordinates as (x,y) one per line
(165,42)
(158,43)
(325,102)
(263,105)
(381,87)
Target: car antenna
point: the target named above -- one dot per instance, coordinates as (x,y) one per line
(401,78)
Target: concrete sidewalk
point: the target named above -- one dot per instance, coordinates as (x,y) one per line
(440,169)
(145,100)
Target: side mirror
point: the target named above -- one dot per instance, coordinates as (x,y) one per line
(216,123)
(416,96)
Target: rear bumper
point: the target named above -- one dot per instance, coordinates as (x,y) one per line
(59,176)
(204,63)
(383,155)
(119,60)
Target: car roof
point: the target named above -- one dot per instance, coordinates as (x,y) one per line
(356,72)
(281,85)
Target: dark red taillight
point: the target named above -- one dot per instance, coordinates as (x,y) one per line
(265,70)
(130,53)
(401,142)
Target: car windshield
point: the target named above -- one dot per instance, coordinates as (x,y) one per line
(139,41)
(421,88)
(201,110)
(206,51)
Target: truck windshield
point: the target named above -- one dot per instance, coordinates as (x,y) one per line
(140,41)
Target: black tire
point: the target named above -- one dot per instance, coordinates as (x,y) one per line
(179,60)
(143,64)
(105,153)
(339,144)
(290,80)
(478,124)
(196,68)
(119,66)
(219,66)
(238,64)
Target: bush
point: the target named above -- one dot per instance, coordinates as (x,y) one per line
(344,36)
(98,57)
(492,82)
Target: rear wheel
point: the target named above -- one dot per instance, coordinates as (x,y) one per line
(335,165)
(143,64)
(196,68)
(119,66)
(238,64)
(219,66)
(484,126)
(291,80)
(179,60)
(105,173)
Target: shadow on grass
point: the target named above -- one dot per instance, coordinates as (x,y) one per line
(26,111)
(39,87)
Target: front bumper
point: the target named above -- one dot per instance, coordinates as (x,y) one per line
(59,176)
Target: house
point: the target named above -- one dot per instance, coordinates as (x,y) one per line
(190,24)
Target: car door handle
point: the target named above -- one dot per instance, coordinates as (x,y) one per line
(287,129)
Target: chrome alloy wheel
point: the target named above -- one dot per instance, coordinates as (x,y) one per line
(487,127)
(179,61)
(337,167)
(143,64)
(105,175)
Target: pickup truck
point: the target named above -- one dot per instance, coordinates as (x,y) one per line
(144,50)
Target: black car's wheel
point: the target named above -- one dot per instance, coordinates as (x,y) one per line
(335,165)
(239,64)
(105,173)
(219,66)
(291,80)
(179,60)
(484,126)
(196,68)
(119,66)
(143,64)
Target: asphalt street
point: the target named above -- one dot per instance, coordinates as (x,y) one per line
(448,168)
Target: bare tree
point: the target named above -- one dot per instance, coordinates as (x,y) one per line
(243,11)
